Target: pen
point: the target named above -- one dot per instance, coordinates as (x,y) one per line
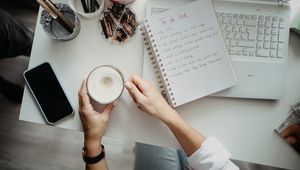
(92,5)
(51,13)
(60,17)
(84,6)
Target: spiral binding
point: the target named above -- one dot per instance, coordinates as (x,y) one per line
(160,73)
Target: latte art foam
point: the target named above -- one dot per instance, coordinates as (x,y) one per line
(105,84)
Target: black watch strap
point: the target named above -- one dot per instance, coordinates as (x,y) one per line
(93,160)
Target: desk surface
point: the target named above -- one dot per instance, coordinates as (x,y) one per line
(244,126)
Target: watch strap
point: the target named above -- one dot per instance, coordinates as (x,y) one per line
(93,160)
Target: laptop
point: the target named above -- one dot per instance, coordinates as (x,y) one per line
(256,34)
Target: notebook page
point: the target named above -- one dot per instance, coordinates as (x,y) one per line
(192,51)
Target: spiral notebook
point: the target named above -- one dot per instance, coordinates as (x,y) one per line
(186,54)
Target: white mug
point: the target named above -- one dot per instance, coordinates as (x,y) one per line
(105,84)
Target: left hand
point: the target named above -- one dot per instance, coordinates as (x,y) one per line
(94,123)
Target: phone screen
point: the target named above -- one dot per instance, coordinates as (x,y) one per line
(48,93)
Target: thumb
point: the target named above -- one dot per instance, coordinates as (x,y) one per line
(108,109)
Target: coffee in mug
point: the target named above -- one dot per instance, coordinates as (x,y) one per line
(105,84)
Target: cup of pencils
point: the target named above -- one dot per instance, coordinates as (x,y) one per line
(59,20)
(87,8)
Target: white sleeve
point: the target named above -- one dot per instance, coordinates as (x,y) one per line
(211,156)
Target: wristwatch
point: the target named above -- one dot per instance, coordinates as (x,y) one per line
(92,160)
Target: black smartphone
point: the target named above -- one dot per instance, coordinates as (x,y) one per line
(48,93)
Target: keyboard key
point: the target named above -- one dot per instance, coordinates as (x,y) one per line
(235,15)
(247,16)
(254,17)
(281,19)
(273,53)
(260,30)
(281,35)
(232,51)
(259,44)
(252,52)
(229,36)
(280,54)
(225,20)
(223,14)
(275,19)
(281,25)
(239,21)
(233,43)
(243,29)
(280,51)
(261,17)
(246,44)
(268,18)
(266,45)
(218,14)
(275,24)
(241,16)
(260,37)
(268,23)
(229,15)
(273,46)
(245,53)
(252,36)
(250,22)
(252,33)
(267,31)
(244,36)
(232,21)
(236,36)
(261,23)
(262,53)
(234,28)
(267,38)
(274,31)
(274,38)
(228,28)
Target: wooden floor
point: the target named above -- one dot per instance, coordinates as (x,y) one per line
(27,146)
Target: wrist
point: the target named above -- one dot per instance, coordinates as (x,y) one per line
(170,116)
(93,147)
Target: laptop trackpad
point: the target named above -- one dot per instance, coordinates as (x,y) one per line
(257,80)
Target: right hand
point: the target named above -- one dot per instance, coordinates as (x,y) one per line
(148,99)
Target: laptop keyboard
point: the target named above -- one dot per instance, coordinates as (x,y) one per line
(253,35)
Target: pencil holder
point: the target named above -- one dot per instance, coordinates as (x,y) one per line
(85,10)
(54,29)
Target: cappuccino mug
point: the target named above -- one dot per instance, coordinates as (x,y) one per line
(105,84)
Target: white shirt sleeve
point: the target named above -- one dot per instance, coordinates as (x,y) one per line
(211,156)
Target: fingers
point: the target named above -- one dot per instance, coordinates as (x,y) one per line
(134,91)
(108,109)
(290,131)
(291,140)
(139,82)
(84,100)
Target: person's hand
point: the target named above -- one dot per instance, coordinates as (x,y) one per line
(292,134)
(94,123)
(148,99)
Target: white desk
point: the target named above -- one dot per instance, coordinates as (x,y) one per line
(244,126)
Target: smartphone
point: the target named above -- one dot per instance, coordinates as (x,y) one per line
(48,93)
